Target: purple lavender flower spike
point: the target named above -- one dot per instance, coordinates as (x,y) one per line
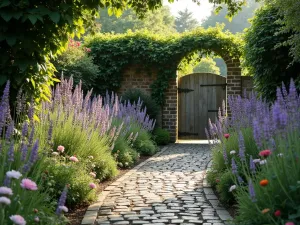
(34,152)
(240,180)
(31,136)
(11,152)
(50,130)
(24,130)
(62,200)
(33,157)
(257,133)
(225,155)
(241,147)
(251,191)
(24,150)
(7,181)
(252,165)
(234,166)
(9,131)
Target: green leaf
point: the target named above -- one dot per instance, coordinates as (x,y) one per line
(4,3)
(32,18)
(32,82)
(11,40)
(110,11)
(3,80)
(54,16)
(6,15)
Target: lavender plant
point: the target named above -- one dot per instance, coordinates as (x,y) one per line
(267,138)
(23,198)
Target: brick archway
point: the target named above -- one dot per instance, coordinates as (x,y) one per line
(134,77)
(170,109)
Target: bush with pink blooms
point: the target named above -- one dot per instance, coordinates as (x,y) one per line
(261,157)
(77,62)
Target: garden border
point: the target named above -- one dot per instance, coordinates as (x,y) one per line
(91,213)
(213,199)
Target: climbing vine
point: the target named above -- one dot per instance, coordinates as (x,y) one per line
(114,53)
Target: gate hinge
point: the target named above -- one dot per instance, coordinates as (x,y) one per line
(184,90)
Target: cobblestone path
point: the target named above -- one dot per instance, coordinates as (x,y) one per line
(168,189)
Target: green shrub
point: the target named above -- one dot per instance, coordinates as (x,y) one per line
(266,58)
(133,95)
(76,62)
(147,147)
(76,176)
(223,185)
(161,136)
(143,143)
(124,154)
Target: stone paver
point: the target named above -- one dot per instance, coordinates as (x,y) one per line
(168,189)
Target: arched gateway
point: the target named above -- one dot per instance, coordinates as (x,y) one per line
(150,62)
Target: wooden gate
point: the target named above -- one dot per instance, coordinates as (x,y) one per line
(199,97)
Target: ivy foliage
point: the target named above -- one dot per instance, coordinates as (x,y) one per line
(114,53)
(265,57)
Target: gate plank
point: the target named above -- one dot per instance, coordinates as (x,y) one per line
(193,106)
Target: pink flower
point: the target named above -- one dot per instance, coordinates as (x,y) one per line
(74,159)
(28,184)
(60,148)
(4,200)
(226,136)
(18,220)
(93,174)
(289,223)
(265,153)
(92,185)
(6,191)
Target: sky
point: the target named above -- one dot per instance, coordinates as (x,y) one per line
(200,12)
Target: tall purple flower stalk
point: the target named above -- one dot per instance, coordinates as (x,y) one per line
(32,158)
(234,166)
(240,180)
(62,200)
(241,146)
(11,152)
(225,155)
(251,191)
(252,165)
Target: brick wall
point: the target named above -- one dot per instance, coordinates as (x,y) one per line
(137,78)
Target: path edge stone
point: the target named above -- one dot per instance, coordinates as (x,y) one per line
(222,212)
(91,213)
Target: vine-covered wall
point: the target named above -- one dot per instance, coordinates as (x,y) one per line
(156,59)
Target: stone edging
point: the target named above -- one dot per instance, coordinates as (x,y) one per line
(213,199)
(92,211)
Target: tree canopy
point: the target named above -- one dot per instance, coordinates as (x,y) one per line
(289,11)
(185,21)
(207,65)
(158,21)
(236,24)
(267,60)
